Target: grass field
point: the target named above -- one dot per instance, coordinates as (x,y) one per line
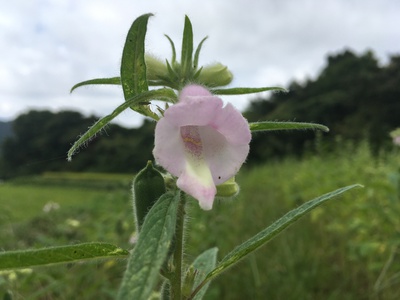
(347,249)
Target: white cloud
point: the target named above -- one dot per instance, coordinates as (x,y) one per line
(48,45)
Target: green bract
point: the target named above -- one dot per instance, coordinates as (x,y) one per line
(176,74)
(228,189)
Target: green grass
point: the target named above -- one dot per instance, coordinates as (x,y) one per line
(78,180)
(85,213)
(339,251)
(23,202)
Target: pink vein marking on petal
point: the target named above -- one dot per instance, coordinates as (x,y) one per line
(192,140)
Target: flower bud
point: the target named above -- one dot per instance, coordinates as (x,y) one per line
(215,75)
(228,189)
(148,186)
(155,68)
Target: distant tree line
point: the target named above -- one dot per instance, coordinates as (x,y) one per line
(357,98)
(5,130)
(41,139)
(353,95)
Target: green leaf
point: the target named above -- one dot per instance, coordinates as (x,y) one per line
(173,60)
(60,254)
(136,102)
(133,65)
(270,126)
(187,48)
(242,91)
(112,80)
(197,53)
(270,232)
(151,249)
(203,264)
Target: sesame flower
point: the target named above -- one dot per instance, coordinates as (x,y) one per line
(201,142)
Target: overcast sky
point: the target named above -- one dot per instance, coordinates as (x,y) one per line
(47,46)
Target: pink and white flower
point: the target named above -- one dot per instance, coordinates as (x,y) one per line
(201,142)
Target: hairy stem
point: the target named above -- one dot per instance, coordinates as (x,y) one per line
(176,279)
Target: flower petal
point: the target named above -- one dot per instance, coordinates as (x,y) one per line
(198,111)
(193,90)
(196,180)
(169,150)
(224,158)
(232,125)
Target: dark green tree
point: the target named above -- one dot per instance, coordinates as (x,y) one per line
(353,95)
(41,140)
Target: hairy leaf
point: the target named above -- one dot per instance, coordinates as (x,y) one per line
(133,65)
(112,80)
(160,94)
(242,91)
(151,249)
(271,126)
(60,254)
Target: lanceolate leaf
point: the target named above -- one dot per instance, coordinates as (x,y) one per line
(242,91)
(270,232)
(173,59)
(271,126)
(187,48)
(160,94)
(112,80)
(57,255)
(133,66)
(197,54)
(151,249)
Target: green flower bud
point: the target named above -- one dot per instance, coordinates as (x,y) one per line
(215,75)
(155,68)
(170,182)
(148,186)
(228,189)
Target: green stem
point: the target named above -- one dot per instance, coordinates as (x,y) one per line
(176,279)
